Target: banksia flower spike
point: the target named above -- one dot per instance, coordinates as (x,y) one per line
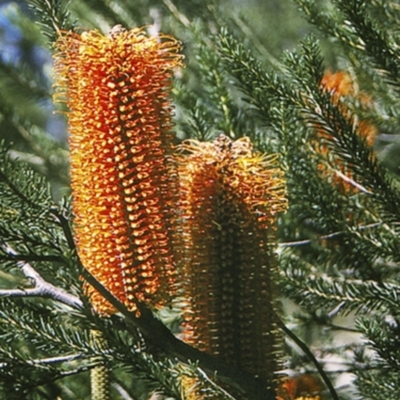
(122,176)
(340,85)
(302,387)
(231,196)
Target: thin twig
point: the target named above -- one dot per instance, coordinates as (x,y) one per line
(342,328)
(336,310)
(59,359)
(213,384)
(32,257)
(324,237)
(176,13)
(352,182)
(311,356)
(248,32)
(50,360)
(64,223)
(41,288)
(121,391)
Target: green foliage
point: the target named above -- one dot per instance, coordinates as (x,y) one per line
(53,16)
(25,104)
(25,208)
(338,243)
(339,247)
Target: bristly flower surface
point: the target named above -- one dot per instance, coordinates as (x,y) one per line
(231,197)
(123,178)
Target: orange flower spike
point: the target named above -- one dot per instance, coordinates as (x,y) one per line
(302,387)
(122,175)
(231,196)
(340,84)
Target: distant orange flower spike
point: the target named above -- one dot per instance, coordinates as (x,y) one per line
(302,387)
(340,84)
(122,176)
(231,197)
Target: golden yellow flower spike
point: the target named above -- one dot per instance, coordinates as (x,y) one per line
(231,196)
(122,176)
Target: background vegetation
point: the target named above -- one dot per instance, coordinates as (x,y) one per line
(253,69)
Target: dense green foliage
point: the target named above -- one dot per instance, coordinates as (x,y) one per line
(338,247)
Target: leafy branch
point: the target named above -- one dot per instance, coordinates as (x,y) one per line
(53,16)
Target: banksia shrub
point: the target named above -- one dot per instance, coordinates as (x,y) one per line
(231,197)
(338,244)
(123,179)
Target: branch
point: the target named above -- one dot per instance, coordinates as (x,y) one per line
(41,288)
(203,375)
(311,356)
(121,391)
(352,182)
(64,223)
(156,333)
(153,330)
(176,13)
(32,257)
(50,360)
(324,237)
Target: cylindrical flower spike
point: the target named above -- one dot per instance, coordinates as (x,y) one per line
(123,178)
(231,196)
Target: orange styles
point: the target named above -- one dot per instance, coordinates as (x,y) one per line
(231,196)
(122,175)
(130,191)
(301,387)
